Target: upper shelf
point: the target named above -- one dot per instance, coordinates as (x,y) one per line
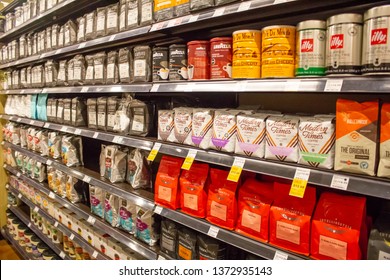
(358,84)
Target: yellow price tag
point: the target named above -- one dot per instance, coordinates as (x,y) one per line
(235,171)
(189,159)
(153,153)
(299,183)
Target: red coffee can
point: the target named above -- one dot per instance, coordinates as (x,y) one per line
(198,60)
(221,58)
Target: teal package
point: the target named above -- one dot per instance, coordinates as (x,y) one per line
(42,107)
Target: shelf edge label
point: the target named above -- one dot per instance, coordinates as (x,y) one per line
(236,169)
(189,159)
(339,182)
(153,153)
(333,85)
(280,256)
(213,231)
(299,183)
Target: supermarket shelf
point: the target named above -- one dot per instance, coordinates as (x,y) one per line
(359,184)
(255,247)
(78,239)
(60,11)
(36,123)
(21,252)
(362,84)
(25,219)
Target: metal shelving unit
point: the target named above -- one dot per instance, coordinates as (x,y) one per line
(25,219)
(21,252)
(78,239)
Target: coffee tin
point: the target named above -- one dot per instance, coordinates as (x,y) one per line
(344,44)
(178,62)
(310,48)
(376,50)
(160,64)
(198,60)
(221,58)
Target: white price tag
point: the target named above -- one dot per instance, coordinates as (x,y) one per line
(112,38)
(46,125)
(333,85)
(244,6)
(157,26)
(116,89)
(20,196)
(81,46)
(280,1)
(77,131)
(7,92)
(8,206)
(94,254)
(18,174)
(339,182)
(49,162)
(84,89)
(32,122)
(193,18)
(56,224)
(36,209)
(91,220)
(87,179)
(64,129)
(280,256)
(29,225)
(62,255)
(22,91)
(95,135)
(213,231)
(2,142)
(219,12)
(158,209)
(71,237)
(52,195)
(58,51)
(161,258)
(241,86)
(154,88)
(18,119)
(175,22)
(4,166)
(117,140)
(44,90)
(292,85)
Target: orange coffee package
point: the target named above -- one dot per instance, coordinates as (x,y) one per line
(193,190)
(356,136)
(166,189)
(290,219)
(384,158)
(222,202)
(254,203)
(338,227)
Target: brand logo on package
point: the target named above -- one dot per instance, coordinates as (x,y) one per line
(337,42)
(379,36)
(307,45)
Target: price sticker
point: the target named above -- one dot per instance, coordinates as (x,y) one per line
(64,129)
(8,206)
(95,135)
(189,159)
(158,209)
(44,90)
(219,12)
(49,162)
(213,231)
(36,209)
(244,6)
(334,85)
(18,174)
(154,88)
(4,166)
(46,125)
(84,89)
(94,254)
(22,91)
(19,119)
(112,38)
(87,179)
(157,26)
(29,225)
(2,142)
(71,237)
(81,46)
(280,256)
(161,258)
(43,55)
(236,169)
(241,86)
(52,195)
(62,255)
(32,122)
(292,85)
(153,153)
(175,22)
(299,183)
(7,92)
(77,131)
(58,51)
(193,18)
(91,220)
(20,196)
(118,139)
(340,182)
(280,1)
(56,224)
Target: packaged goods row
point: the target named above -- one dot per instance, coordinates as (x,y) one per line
(338,46)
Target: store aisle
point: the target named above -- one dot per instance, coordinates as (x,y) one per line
(7,252)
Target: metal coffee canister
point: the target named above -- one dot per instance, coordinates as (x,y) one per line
(278,51)
(246,54)
(178,62)
(310,48)
(376,50)
(221,58)
(344,44)
(160,64)
(198,60)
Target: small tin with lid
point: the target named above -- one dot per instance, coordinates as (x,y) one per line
(344,44)
(28,234)
(310,48)
(198,60)
(376,50)
(221,58)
